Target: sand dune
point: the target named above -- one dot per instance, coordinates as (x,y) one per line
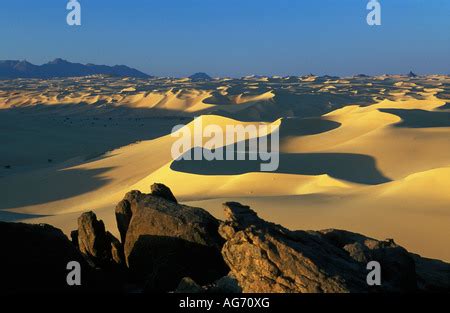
(370,155)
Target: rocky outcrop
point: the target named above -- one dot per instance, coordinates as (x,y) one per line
(265,257)
(167,246)
(398,266)
(165,241)
(95,243)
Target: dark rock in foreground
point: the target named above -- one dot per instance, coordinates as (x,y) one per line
(432,275)
(166,241)
(35,257)
(95,243)
(123,217)
(265,257)
(188,285)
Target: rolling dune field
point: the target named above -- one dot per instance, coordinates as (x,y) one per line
(365,154)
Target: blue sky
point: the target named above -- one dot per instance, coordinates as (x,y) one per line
(233,37)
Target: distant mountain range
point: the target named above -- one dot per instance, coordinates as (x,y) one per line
(63,68)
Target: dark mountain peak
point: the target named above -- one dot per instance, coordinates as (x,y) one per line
(200,76)
(23,66)
(58,61)
(412,74)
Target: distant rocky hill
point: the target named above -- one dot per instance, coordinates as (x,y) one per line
(63,68)
(166,246)
(200,77)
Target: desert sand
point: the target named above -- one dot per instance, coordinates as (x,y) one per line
(365,154)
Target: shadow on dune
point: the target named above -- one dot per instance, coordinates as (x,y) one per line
(306,126)
(285,103)
(356,168)
(420,118)
(6,216)
(44,135)
(102,112)
(61,184)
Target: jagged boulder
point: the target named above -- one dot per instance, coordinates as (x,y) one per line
(124,207)
(165,241)
(265,257)
(95,243)
(123,217)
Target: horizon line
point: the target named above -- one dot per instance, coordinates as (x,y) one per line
(232,76)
